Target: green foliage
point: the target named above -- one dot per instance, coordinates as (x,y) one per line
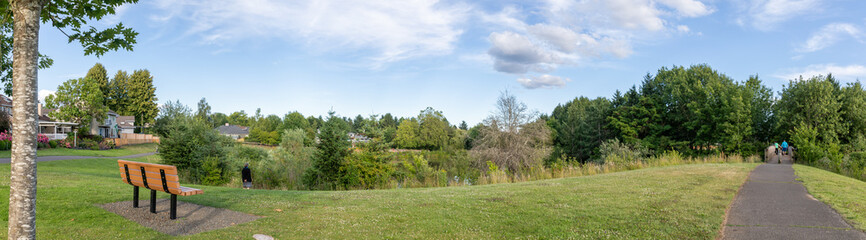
(263,137)
(365,170)
(117,97)
(816,103)
(203,111)
(615,152)
(188,143)
(213,171)
(142,97)
(239,118)
(100,75)
(808,148)
(78,100)
(53,143)
(219,119)
(333,147)
(407,134)
(71,17)
(579,128)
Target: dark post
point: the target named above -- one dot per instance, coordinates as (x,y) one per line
(153,201)
(173,214)
(135,196)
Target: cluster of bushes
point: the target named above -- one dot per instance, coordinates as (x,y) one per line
(84,141)
(41,141)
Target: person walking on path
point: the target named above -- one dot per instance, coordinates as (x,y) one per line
(777,148)
(785,147)
(247,176)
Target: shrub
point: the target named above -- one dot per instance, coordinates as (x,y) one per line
(808,148)
(214,173)
(41,138)
(96,138)
(615,152)
(187,143)
(5,144)
(53,143)
(365,170)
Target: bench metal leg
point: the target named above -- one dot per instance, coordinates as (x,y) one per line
(135,196)
(153,201)
(173,214)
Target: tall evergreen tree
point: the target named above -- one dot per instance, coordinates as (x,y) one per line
(100,75)
(142,96)
(332,148)
(117,98)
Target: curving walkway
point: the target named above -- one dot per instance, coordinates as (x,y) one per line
(56,158)
(772,204)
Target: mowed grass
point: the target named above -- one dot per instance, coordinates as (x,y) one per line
(842,193)
(676,202)
(123,151)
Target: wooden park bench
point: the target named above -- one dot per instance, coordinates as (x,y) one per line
(156,177)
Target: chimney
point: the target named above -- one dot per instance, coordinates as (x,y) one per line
(39,109)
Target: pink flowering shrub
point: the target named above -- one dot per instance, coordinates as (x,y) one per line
(41,138)
(5,136)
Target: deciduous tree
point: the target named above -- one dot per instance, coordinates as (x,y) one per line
(23,17)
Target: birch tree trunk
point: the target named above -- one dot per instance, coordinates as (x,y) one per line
(25,51)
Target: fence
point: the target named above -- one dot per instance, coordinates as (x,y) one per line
(134,138)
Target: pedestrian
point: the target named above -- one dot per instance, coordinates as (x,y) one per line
(785,147)
(246,176)
(777,148)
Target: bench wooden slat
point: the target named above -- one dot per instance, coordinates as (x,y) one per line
(151,174)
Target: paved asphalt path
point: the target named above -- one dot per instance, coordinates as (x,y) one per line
(55,158)
(772,204)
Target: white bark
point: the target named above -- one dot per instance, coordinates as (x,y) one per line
(25,49)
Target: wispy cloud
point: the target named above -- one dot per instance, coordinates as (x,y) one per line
(829,35)
(543,81)
(391,30)
(847,73)
(568,32)
(767,14)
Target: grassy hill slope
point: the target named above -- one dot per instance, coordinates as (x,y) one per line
(687,202)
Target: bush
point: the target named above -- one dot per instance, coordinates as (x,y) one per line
(53,143)
(809,150)
(188,143)
(615,152)
(5,144)
(214,173)
(96,138)
(365,170)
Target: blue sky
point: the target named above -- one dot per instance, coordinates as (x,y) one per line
(374,57)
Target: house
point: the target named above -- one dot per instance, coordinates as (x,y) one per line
(126,124)
(108,127)
(53,129)
(5,104)
(234,131)
(58,129)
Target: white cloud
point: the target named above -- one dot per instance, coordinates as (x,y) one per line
(569,32)
(395,30)
(847,73)
(767,14)
(829,35)
(543,81)
(515,53)
(44,93)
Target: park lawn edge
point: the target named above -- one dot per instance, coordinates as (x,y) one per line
(842,193)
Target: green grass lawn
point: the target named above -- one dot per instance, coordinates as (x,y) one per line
(844,194)
(123,151)
(685,202)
